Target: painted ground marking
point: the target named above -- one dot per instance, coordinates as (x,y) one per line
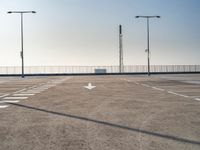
(177,94)
(145,85)
(7,101)
(19,91)
(24,94)
(197,99)
(10,98)
(156,88)
(3,106)
(4,95)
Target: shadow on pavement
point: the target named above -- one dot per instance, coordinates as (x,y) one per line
(169,137)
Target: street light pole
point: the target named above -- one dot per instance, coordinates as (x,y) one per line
(148,50)
(22,45)
(148,56)
(22,36)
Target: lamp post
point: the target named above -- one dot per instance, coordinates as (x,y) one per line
(147,50)
(22,37)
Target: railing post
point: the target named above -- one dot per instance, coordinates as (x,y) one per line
(195,68)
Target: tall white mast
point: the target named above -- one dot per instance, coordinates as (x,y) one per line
(121,65)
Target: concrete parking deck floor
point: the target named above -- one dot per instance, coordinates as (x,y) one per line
(121,113)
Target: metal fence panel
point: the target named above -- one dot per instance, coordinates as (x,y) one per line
(91,69)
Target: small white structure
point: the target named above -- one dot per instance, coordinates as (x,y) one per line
(100,71)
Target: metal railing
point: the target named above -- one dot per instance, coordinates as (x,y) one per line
(91,69)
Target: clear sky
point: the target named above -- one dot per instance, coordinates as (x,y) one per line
(85,32)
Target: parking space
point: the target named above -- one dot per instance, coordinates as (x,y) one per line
(121,112)
(21,89)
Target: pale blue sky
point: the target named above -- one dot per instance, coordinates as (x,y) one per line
(85,32)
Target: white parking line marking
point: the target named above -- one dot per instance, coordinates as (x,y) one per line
(177,94)
(4,95)
(10,98)
(158,88)
(32,87)
(42,84)
(37,90)
(23,94)
(19,91)
(49,85)
(41,88)
(9,101)
(145,85)
(3,106)
(197,99)
(195,96)
(31,92)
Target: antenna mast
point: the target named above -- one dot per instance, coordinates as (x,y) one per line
(121,65)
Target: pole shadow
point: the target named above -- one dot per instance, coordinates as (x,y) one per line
(164,136)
